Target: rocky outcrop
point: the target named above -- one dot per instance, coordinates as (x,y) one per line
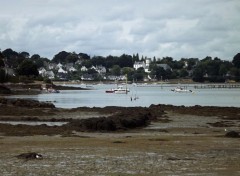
(26,103)
(124,120)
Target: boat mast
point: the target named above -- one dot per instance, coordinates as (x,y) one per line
(126,84)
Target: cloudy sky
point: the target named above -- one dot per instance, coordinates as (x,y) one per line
(176,28)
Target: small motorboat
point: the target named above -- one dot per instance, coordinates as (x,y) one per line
(181,90)
(110,91)
(118,90)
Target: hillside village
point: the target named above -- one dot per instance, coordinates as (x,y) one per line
(62,71)
(81,67)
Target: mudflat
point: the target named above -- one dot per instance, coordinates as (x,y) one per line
(158,140)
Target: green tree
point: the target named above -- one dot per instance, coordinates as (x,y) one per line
(2,75)
(198,75)
(223,69)
(87,63)
(98,60)
(25,54)
(125,61)
(139,74)
(236,60)
(183,73)
(11,58)
(35,57)
(84,56)
(127,70)
(71,58)
(91,71)
(1,63)
(116,70)
(158,73)
(27,68)
(60,57)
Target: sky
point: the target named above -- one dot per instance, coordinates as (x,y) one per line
(160,28)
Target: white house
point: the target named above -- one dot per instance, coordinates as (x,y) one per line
(50,74)
(61,70)
(42,71)
(101,69)
(84,68)
(138,65)
(94,68)
(59,65)
(72,69)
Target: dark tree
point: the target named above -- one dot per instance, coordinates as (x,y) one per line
(158,73)
(60,57)
(84,56)
(72,58)
(116,70)
(1,63)
(27,68)
(236,60)
(125,61)
(139,74)
(24,54)
(198,75)
(9,53)
(98,60)
(35,57)
(2,75)
(111,61)
(183,73)
(11,58)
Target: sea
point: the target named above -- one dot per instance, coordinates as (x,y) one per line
(142,95)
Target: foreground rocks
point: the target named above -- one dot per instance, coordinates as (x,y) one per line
(30,155)
(125,147)
(4,90)
(232,134)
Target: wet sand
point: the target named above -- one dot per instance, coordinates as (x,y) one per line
(176,141)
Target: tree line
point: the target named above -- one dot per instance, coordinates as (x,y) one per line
(207,69)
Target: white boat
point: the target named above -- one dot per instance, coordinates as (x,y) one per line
(181,90)
(121,90)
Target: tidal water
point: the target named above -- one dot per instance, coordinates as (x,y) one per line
(146,95)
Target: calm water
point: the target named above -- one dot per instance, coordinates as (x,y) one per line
(147,96)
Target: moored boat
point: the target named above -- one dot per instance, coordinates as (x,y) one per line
(118,90)
(181,90)
(121,90)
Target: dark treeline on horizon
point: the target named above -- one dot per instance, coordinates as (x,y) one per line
(207,69)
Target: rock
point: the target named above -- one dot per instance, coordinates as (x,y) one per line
(31,155)
(26,103)
(232,134)
(4,90)
(120,121)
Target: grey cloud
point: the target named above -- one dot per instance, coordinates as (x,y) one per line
(183,28)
